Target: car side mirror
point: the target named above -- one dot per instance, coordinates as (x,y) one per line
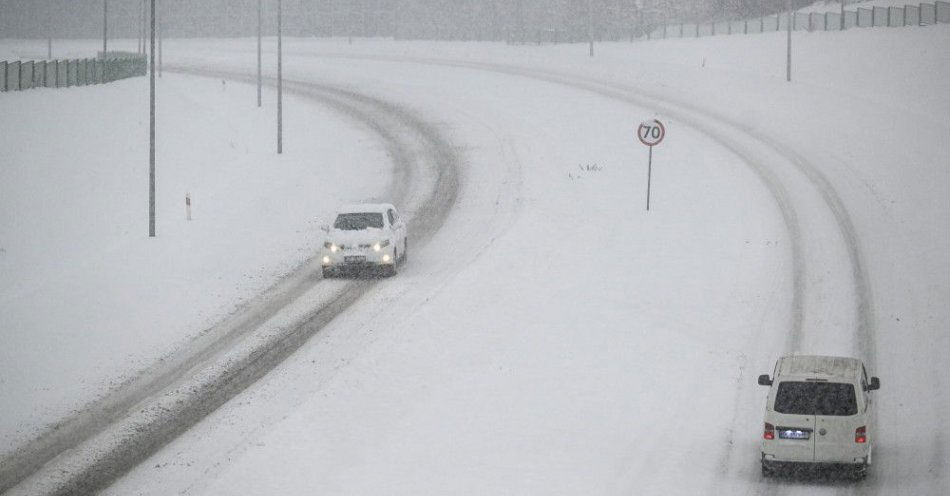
(764,380)
(325,228)
(875,384)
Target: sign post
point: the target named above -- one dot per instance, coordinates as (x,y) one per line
(650,133)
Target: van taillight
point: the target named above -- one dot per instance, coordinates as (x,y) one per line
(769,431)
(860,435)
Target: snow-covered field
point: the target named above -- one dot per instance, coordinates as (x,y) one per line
(585,345)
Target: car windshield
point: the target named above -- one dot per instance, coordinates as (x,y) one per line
(358,221)
(816,398)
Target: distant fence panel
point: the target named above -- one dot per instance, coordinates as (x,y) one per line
(39,74)
(911,15)
(782,22)
(13,76)
(801,21)
(879,16)
(895,17)
(833,21)
(943,11)
(72,73)
(26,75)
(875,16)
(850,19)
(52,71)
(928,14)
(60,73)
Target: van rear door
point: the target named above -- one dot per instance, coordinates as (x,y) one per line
(837,417)
(793,413)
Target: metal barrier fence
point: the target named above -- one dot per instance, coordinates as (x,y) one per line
(112,66)
(924,14)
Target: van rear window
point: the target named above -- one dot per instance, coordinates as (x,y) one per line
(816,398)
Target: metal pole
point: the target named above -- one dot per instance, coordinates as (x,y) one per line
(260,16)
(842,16)
(49,30)
(105,27)
(788,61)
(280,82)
(649,176)
(590,26)
(160,36)
(151,134)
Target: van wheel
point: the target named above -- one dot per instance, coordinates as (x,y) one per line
(859,473)
(327,272)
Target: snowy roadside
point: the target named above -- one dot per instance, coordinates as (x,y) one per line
(86,299)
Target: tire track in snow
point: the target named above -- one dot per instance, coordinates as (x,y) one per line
(90,450)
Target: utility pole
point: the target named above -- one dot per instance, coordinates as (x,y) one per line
(788,60)
(105,27)
(151,133)
(260,16)
(590,25)
(49,30)
(161,35)
(280,82)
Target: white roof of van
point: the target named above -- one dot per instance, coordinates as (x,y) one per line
(356,208)
(821,367)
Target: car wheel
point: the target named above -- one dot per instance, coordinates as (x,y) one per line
(327,272)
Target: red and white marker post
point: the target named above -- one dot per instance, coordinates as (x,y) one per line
(650,133)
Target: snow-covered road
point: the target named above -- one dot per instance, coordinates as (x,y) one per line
(554,338)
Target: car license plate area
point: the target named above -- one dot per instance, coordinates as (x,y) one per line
(793,433)
(354,259)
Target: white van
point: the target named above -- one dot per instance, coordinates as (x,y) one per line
(818,413)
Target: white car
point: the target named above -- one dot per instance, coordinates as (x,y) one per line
(818,413)
(368,236)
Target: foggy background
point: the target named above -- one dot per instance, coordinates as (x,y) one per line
(409,19)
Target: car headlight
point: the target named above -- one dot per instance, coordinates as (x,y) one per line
(381,245)
(331,246)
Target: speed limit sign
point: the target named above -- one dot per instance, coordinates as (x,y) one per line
(651,132)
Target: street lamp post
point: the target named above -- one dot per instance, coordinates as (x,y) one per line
(151,132)
(260,16)
(590,25)
(788,58)
(280,82)
(105,27)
